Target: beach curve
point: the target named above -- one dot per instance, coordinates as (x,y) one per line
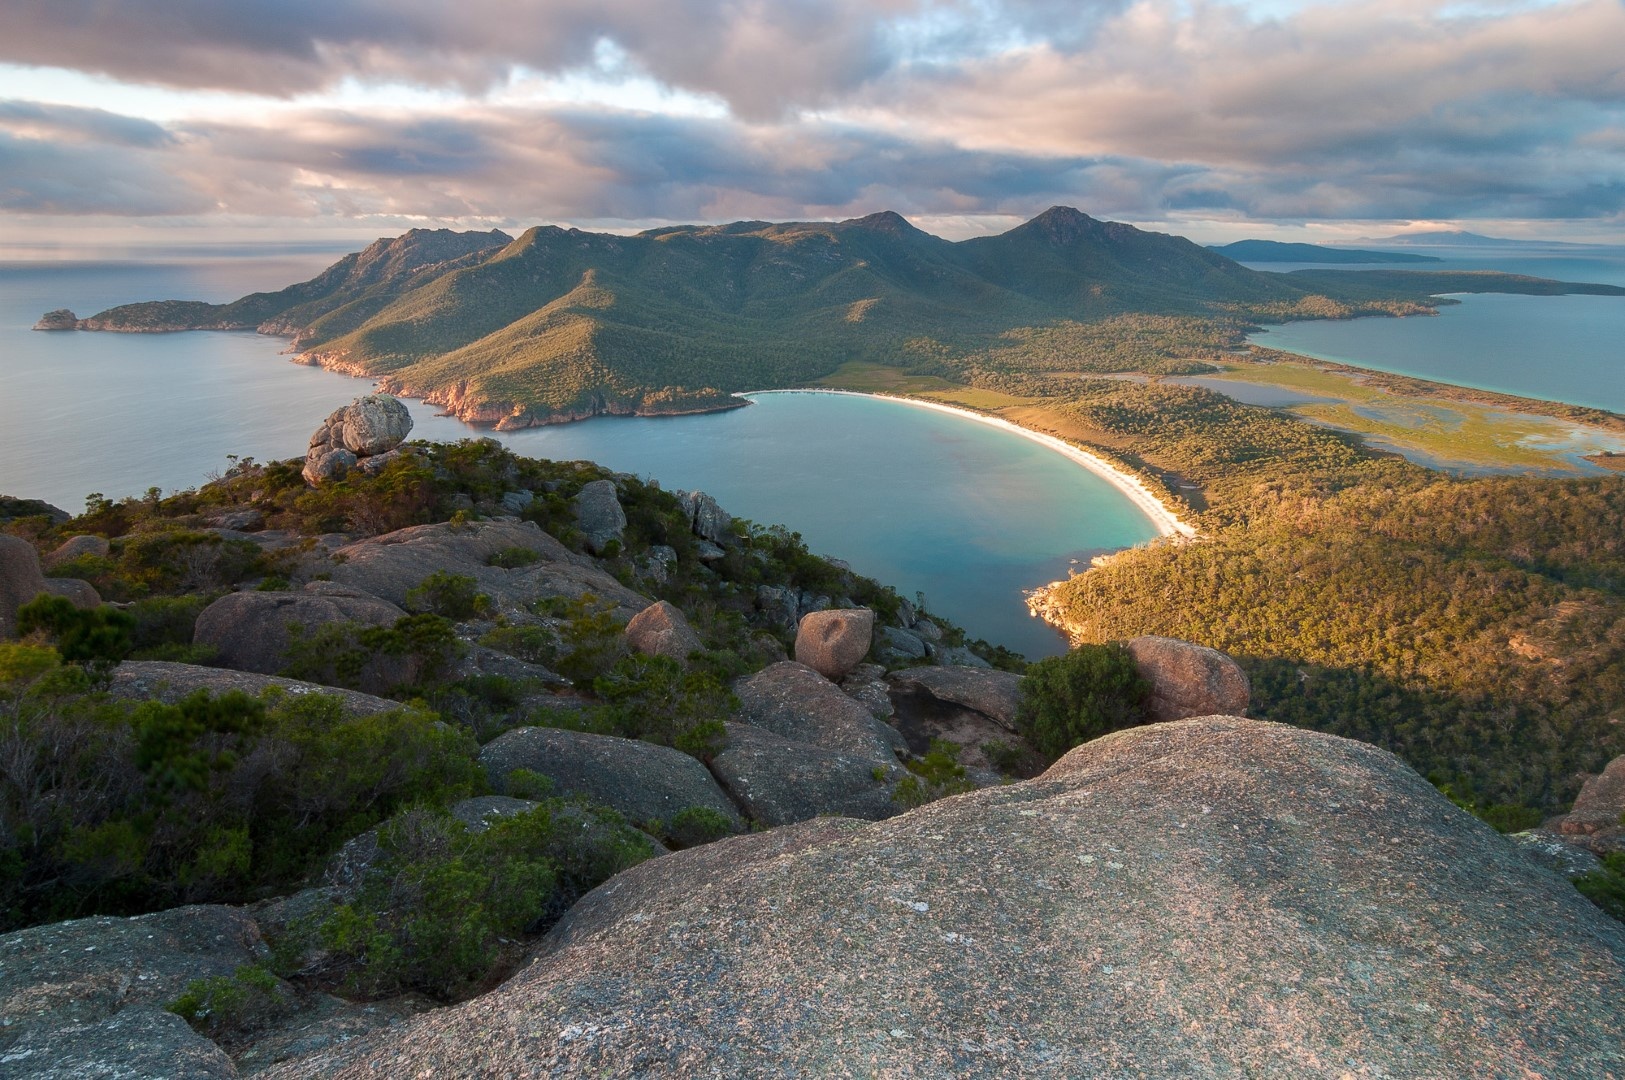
(1163,518)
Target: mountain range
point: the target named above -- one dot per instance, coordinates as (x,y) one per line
(1276,251)
(561,324)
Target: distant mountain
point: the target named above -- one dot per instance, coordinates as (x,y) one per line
(561,324)
(1275,251)
(1458,238)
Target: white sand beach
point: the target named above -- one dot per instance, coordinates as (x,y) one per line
(1162,517)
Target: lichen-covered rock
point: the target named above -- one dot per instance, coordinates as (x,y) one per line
(794,701)
(894,644)
(161,680)
(20,580)
(832,643)
(1207,898)
(361,435)
(706,519)
(645,782)
(84,998)
(994,694)
(375,424)
(599,513)
(867,686)
(1189,680)
(778,781)
(250,631)
(141,1042)
(395,563)
(330,463)
(75,547)
(661,629)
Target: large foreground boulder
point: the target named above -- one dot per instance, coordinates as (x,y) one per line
(20,580)
(1212,898)
(647,783)
(1189,680)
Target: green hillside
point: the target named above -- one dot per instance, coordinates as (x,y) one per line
(561,324)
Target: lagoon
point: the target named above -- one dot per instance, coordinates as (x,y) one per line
(967,514)
(1558,348)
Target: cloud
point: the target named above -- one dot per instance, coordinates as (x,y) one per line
(943,108)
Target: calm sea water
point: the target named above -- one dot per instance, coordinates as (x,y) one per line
(967,514)
(1561,348)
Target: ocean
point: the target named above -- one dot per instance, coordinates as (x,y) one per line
(1560,348)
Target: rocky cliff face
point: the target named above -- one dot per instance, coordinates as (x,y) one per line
(1213,897)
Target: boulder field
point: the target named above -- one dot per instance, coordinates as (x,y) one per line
(1215,897)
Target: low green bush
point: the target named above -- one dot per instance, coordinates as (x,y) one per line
(94,638)
(452,596)
(437,905)
(695,826)
(1090,691)
(935,776)
(1605,887)
(227,1007)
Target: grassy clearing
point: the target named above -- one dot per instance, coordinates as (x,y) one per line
(1446,431)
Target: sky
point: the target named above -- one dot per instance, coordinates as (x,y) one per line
(324,121)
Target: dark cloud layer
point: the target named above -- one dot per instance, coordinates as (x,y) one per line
(1383,109)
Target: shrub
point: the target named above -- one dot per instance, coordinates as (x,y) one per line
(935,776)
(513,558)
(337,654)
(452,596)
(695,826)
(96,639)
(1086,693)
(435,907)
(652,697)
(231,1006)
(1606,887)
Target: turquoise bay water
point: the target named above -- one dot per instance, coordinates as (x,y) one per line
(963,512)
(1560,348)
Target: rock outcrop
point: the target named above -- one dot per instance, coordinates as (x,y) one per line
(706,519)
(161,680)
(779,781)
(76,547)
(85,998)
(1597,820)
(60,319)
(661,629)
(368,427)
(793,701)
(1209,898)
(599,513)
(832,643)
(250,631)
(993,694)
(645,782)
(1189,680)
(20,580)
(81,594)
(391,565)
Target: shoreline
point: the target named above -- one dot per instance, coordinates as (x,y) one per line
(1162,517)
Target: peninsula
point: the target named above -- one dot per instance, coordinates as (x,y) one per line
(560,324)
